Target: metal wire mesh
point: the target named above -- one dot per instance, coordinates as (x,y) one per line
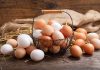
(39,42)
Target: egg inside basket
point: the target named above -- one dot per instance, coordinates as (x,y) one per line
(51,36)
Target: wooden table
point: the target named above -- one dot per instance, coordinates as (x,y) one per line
(65,62)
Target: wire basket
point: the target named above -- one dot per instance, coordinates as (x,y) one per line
(39,43)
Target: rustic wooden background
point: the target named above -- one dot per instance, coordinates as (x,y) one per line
(11,9)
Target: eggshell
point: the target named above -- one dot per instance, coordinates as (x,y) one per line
(96,43)
(45,41)
(26,36)
(6,49)
(54,49)
(39,24)
(88,48)
(76,51)
(55,24)
(12,42)
(37,55)
(78,35)
(20,52)
(47,30)
(30,49)
(45,49)
(67,31)
(24,40)
(92,35)
(79,42)
(57,35)
(64,44)
(37,33)
(82,30)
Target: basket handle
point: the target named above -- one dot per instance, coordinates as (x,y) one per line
(52,11)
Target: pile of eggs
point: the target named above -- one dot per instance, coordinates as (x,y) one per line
(47,33)
(21,47)
(52,35)
(82,42)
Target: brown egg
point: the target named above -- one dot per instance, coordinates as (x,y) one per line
(45,49)
(12,42)
(20,52)
(67,31)
(76,51)
(88,48)
(54,49)
(30,49)
(47,30)
(39,24)
(82,30)
(64,44)
(45,41)
(78,35)
(79,42)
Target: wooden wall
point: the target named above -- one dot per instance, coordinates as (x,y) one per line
(10,9)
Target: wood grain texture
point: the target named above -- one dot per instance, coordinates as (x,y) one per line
(11,9)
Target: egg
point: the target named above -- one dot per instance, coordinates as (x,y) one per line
(92,35)
(76,51)
(20,52)
(24,40)
(67,31)
(79,42)
(45,49)
(55,24)
(88,48)
(6,49)
(64,44)
(39,24)
(26,36)
(81,30)
(54,49)
(45,41)
(47,30)
(30,49)
(37,55)
(37,33)
(12,42)
(96,43)
(78,35)
(57,35)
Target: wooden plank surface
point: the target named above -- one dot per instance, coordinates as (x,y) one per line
(11,9)
(65,62)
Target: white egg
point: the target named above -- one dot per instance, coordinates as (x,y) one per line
(92,35)
(56,25)
(6,49)
(26,36)
(23,42)
(37,33)
(37,55)
(96,43)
